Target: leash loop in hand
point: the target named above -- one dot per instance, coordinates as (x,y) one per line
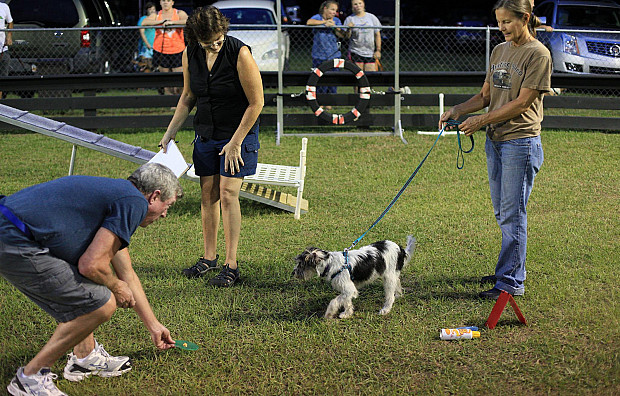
(460,153)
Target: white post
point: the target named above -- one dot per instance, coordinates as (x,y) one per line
(302,176)
(441,111)
(281,54)
(72,163)
(440,104)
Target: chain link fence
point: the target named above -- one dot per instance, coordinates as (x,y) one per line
(432,49)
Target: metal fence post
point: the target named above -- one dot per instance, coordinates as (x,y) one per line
(397,124)
(487,52)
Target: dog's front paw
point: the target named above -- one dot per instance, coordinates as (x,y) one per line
(329,316)
(345,315)
(384,311)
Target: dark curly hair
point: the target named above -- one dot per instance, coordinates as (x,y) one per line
(204,23)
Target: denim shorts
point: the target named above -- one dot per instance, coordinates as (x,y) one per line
(209,162)
(53,284)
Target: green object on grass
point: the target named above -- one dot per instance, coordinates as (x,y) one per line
(186,345)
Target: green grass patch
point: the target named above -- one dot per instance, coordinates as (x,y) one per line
(266,336)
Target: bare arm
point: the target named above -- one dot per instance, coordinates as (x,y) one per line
(144,39)
(9,35)
(316,22)
(151,20)
(508,111)
(94,264)
(184,106)
(252,84)
(124,270)
(378,45)
(341,33)
(182,19)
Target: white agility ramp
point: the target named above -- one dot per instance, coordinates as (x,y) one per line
(266,174)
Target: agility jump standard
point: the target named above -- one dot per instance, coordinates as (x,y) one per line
(266,174)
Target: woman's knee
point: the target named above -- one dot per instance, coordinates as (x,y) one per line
(229,196)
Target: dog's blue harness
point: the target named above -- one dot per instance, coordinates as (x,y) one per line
(346,266)
(460,162)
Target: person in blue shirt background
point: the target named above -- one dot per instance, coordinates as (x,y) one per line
(147,36)
(325,45)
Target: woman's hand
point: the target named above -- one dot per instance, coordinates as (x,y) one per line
(448,115)
(232,157)
(472,124)
(163,143)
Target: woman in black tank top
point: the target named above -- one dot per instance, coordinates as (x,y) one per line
(222,80)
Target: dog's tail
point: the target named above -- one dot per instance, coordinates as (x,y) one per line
(410,248)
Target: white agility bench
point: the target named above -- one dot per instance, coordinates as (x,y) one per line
(266,174)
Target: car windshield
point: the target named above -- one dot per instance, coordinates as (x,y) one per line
(45,14)
(593,17)
(249,16)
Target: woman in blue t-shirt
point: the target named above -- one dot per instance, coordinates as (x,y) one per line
(325,45)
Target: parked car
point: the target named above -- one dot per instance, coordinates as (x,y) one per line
(582,52)
(293,11)
(57,50)
(262,39)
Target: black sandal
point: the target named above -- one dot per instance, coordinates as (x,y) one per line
(226,278)
(201,267)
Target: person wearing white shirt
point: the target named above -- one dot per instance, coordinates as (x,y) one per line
(364,44)
(6,39)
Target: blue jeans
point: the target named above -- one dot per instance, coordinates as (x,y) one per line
(512,166)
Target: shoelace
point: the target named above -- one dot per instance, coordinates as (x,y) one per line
(103,351)
(47,383)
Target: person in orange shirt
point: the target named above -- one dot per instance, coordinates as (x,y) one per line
(169,43)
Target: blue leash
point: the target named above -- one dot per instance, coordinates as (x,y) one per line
(460,151)
(459,156)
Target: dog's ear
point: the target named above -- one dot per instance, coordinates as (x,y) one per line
(304,257)
(312,256)
(300,258)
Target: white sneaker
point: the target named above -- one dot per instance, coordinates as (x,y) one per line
(98,362)
(40,383)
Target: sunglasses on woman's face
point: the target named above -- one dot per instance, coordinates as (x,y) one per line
(213,45)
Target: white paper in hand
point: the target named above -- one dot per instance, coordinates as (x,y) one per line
(173,159)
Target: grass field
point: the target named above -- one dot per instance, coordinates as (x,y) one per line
(266,336)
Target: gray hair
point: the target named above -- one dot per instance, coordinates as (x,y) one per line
(152,176)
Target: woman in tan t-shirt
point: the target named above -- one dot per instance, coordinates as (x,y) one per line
(519,75)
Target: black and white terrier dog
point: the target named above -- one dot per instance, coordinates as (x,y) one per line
(384,259)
